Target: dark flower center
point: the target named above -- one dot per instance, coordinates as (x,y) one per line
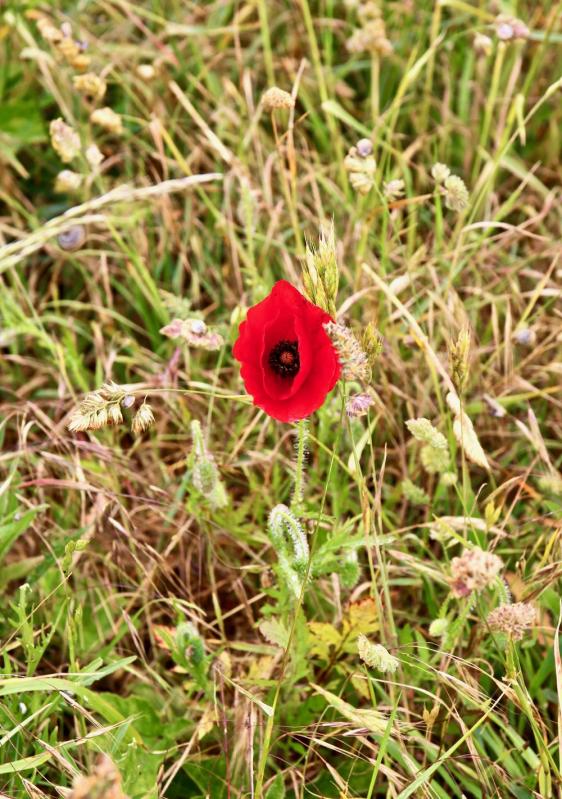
(284,358)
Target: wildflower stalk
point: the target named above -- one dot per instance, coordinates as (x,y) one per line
(268,732)
(375,77)
(298,491)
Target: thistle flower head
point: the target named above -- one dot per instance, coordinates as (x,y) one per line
(376,656)
(474,570)
(64,139)
(513,620)
(456,193)
(275,98)
(107,118)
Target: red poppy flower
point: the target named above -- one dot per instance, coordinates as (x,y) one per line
(288,362)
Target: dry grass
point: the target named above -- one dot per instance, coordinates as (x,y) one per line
(147,619)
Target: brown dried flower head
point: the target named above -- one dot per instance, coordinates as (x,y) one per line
(275,98)
(474,570)
(513,620)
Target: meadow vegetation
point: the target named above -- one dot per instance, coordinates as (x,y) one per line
(198,600)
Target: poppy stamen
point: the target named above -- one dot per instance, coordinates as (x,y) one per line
(284,358)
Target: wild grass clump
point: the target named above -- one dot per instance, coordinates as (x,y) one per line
(215,585)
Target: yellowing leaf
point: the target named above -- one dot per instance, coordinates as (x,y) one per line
(322,636)
(361,618)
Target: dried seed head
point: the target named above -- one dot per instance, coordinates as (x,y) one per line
(456,193)
(514,620)
(73,238)
(361,170)
(48,31)
(146,72)
(440,172)
(64,139)
(358,405)
(107,118)
(68,182)
(482,44)
(90,85)
(376,656)
(474,570)
(393,189)
(320,273)
(94,156)
(352,357)
(372,343)
(114,414)
(459,357)
(143,419)
(194,332)
(275,98)
(371,37)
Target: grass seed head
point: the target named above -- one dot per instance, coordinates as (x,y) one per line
(456,193)
(107,119)
(64,140)
(68,182)
(376,656)
(352,357)
(143,419)
(90,85)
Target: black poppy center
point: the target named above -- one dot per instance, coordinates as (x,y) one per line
(284,358)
